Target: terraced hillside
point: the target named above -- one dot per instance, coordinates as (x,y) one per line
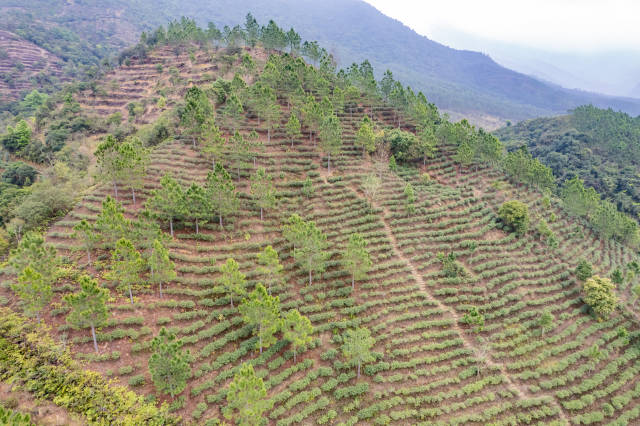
(24,66)
(431,367)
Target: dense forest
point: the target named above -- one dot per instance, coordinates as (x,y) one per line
(224,225)
(601,147)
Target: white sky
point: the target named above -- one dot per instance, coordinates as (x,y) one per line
(585,25)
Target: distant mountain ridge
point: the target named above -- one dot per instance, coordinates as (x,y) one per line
(464,82)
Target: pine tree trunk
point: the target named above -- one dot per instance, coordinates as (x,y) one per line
(260,336)
(231,298)
(171,226)
(194,143)
(133,195)
(197,228)
(93,334)
(261,214)
(309,276)
(220,220)
(213,163)
(353,281)
(294,355)
(269,134)
(115,189)
(130,294)
(329,162)
(88,256)
(358,368)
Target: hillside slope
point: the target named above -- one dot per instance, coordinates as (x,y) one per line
(465,83)
(430,366)
(602,147)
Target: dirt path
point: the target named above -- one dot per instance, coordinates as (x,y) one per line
(520,390)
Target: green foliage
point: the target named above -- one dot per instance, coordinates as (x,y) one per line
(450,266)
(366,138)
(515,214)
(545,321)
(111,223)
(34,291)
(599,294)
(262,311)
(168,364)
(330,137)
(356,258)
(126,266)
(410,195)
(88,306)
(168,202)
(13,418)
(296,329)
(474,318)
(32,251)
(31,358)
(270,268)
(356,347)
(263,190)
(197,113)
(19,174)
(162,269)
(293,128)
(310,253)
(222,192)
(598,146)
(232,280)
(16,138)
(246,397)
(88,236)
(584,270)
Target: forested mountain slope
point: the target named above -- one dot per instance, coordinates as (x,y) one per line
(465,83)
(467,313)
(602,147)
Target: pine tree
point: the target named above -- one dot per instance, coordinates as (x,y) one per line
(296,329)
(262,311)
(199,205)
(222,192)
(232,111)
(126,265)
(371,185)
(427,142)
(312,115)
(330,137)
(545,321)
(293,230)
(197,110)
(293,128)
(240,152)
(246,397)
(213,142)
(232,280)
(311,255)
(263,191)
(356,258)
(270,267)
(111,223)
(88,307)
(168,202)
(356,347)
(34,291)
(168,364)
(464,155)
(162,269)
(134,159)
(88,236)
(109,162)
(33,251)
(366,138)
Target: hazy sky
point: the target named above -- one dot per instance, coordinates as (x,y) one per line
(584,25)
